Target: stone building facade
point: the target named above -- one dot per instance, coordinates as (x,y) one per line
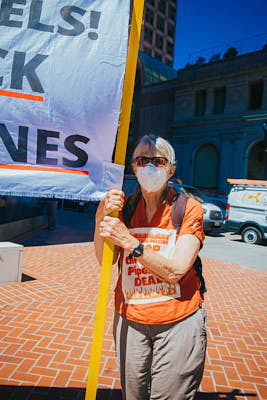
(213,115)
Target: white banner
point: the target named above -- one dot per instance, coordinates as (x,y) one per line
(62,66)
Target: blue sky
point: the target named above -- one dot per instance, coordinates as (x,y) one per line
(202,24)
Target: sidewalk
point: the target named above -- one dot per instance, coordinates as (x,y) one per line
(46,327)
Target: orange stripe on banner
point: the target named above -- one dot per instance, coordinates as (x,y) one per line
(25,96)
(35,168)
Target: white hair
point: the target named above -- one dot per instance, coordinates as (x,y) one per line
(155,144)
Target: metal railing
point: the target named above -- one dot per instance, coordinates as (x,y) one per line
(216,53)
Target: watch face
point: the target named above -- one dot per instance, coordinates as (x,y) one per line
(138,251)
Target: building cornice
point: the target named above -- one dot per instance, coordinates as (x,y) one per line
(238,65)
(215,120)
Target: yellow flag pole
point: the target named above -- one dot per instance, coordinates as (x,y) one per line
(120,153)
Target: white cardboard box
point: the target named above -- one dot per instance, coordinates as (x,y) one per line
(10,263)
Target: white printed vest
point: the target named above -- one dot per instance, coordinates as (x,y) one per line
(139,286)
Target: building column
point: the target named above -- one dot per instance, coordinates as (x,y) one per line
(209,102)
(179,148)
(238,171)
(265,148)
(264,95)
(184,160)
(226,162)
(237,97)
(184,104)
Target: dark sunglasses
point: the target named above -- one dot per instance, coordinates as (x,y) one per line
(142,161)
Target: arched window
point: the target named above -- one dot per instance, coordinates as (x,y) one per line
(206,167)
(256,158)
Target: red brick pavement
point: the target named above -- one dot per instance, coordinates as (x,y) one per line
(46,325)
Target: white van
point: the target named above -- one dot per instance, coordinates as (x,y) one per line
(246,211)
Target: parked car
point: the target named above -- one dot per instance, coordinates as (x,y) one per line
(213,218)
(246,212)
(219,201)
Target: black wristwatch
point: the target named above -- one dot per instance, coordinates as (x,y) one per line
(137,252)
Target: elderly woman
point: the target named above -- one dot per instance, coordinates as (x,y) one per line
(159,324)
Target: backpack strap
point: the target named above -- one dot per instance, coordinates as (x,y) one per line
(198,269)
(178,212)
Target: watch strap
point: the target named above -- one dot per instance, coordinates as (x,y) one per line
(137,251)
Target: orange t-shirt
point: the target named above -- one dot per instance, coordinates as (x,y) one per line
(168,302)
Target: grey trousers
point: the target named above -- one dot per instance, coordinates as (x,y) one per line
(161,362)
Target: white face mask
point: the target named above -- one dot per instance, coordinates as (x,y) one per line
(151,178)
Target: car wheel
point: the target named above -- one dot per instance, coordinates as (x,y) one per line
(251,235)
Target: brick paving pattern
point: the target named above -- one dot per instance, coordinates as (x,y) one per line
(46,327)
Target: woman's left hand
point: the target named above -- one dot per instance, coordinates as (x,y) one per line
(116,231)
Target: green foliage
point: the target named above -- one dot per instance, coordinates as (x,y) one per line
(200,60)
(215,57)
(188,65)
(231,52)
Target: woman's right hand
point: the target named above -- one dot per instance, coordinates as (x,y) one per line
(113,201)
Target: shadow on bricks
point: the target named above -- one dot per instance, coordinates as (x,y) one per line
(224,395)
(50,393)
(45,393)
